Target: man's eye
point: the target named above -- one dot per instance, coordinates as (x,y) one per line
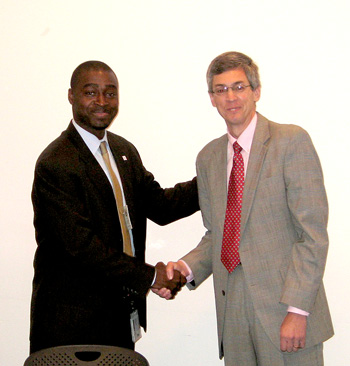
(240,87)
(90,93)
(220,90)
(111,95)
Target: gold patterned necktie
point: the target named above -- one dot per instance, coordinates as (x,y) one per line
(230,243)
(119,200)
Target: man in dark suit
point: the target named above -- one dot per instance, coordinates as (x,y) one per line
(85,286)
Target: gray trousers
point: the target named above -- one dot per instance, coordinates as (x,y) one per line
(245,342)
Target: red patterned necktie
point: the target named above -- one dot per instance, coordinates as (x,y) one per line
(230,243)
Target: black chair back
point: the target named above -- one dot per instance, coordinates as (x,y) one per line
(86,355)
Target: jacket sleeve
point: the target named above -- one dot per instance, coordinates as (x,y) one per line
(307,202)
(200,258)
(72,233)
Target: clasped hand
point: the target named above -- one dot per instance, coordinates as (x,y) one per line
(164,284)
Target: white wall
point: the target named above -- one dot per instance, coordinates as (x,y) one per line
(160,50)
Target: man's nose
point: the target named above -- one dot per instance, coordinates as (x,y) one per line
(230,95)
(101,99)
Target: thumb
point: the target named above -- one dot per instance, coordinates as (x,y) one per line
(170,270)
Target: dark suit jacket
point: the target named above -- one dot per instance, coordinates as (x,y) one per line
(83,281)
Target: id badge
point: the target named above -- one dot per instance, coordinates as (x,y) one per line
(135,326)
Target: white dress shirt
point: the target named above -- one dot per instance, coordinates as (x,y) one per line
(93,143)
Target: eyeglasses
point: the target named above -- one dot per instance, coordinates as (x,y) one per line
(236,89)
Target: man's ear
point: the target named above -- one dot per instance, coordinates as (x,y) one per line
(257,92)
(211,95)
(70,96)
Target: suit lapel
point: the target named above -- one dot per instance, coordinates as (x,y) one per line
(93,169)
(256,159)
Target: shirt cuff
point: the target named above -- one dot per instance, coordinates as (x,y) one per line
(155,276)
(292,309)
(190,277)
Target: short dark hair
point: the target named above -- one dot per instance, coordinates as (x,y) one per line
(86,66)
(233,60)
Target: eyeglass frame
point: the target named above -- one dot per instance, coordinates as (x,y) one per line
(235,89)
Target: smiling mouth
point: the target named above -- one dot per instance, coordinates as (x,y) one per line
(101,110)
(101,113)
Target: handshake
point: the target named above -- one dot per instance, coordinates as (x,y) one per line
(169,279)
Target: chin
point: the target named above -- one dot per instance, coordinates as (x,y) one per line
(101,125)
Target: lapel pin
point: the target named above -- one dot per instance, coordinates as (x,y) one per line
(124,158)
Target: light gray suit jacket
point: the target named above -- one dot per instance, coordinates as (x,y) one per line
(284,241)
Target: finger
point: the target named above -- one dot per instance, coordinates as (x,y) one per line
(165,293)
(286,346)
(179,280)
(169,295)
(283,345)
(183,280)
(298,346)
(290,348)
(162,292)
(170,270)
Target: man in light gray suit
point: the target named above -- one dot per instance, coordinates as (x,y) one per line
(271,304)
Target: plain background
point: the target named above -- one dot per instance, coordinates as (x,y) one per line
(160,50)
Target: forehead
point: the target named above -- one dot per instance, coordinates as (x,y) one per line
(99,78)
(230,77)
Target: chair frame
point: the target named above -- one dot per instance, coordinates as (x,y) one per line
(86,355)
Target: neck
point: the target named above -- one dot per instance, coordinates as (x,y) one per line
(99,133)
(237,129)
(235,132)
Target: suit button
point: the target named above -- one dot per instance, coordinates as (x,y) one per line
(223,293)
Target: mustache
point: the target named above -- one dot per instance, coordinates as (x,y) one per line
(101,110)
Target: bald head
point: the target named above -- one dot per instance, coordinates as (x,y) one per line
(88,66)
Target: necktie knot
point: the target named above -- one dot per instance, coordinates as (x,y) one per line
(237,148)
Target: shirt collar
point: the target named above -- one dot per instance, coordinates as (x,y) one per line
(91,141)
(246,138)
